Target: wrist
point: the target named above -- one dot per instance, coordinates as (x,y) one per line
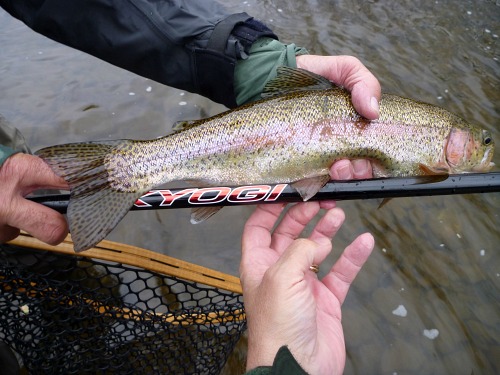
(252,73)
(260,351)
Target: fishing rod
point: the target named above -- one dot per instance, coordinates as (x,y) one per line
(386,188)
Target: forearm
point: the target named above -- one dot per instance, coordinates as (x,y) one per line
(192,46)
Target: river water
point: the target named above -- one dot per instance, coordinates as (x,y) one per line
(428,299)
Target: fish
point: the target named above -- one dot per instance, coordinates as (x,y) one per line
(301,126)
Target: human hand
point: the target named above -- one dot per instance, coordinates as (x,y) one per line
(20,175)
(285,302)
(349,72)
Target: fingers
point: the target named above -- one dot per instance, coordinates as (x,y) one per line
(349,72)
(323,233)
(296,260)
(345,270)
(301,253)
(292,224)
(261,247)
(19,175)
(257,230)
(348,170)
(41,222)
(36,174)
(256,252)
(328,227)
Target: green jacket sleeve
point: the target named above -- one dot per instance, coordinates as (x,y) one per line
(284,364)
(5,152)
(11,141)
(265,55)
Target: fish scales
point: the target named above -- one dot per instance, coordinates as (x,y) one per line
(260,145)
(290,137)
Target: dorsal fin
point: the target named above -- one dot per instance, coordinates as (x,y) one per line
(183,125)
(290,80)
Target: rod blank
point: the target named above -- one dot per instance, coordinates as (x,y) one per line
(334,190)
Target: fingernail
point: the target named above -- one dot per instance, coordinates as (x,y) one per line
(360,166)
(345,172)
(374,104)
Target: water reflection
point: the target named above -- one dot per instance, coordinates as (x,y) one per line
(437,256)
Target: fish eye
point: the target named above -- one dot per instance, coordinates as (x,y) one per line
(486,138)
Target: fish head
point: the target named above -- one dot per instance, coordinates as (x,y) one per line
(469,149)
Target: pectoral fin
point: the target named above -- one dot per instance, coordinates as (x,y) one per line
(308,187)
(439,169)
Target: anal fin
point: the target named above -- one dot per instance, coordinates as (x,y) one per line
(92,216)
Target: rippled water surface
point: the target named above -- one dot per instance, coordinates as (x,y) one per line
(428,299)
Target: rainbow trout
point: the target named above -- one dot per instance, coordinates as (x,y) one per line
(292,136)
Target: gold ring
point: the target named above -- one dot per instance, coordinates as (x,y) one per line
(314,268)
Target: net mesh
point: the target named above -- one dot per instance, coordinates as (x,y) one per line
(71,315)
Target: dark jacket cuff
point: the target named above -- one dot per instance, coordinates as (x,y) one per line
(230,41)
(284,363)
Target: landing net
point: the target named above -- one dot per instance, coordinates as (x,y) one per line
(115,309)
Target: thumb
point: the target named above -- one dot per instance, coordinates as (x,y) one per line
(364,87)
(41,222)
(349,72)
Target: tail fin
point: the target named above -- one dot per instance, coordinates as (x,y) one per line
(95,208)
